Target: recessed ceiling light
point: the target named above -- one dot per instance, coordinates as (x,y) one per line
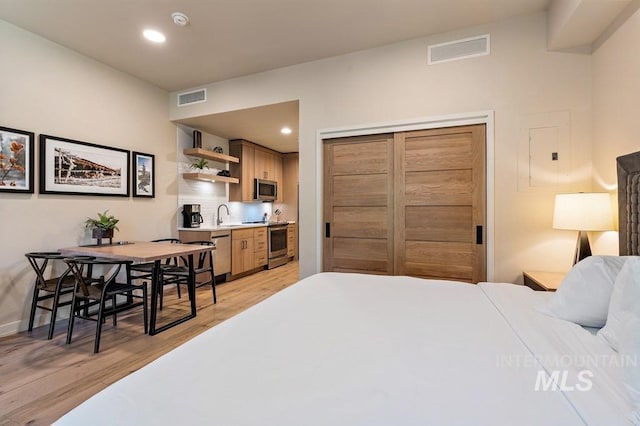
(285,131)
(154,36)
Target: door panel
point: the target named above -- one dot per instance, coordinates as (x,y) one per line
(360,190)
(448,187)
(440,200)
(453,261)
(360,222)
(358,204)
(446,223)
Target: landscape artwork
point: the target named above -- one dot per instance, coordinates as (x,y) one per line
(16,160)
(144,183)
(74,167)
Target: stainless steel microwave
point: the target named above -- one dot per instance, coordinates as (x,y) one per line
(265,190)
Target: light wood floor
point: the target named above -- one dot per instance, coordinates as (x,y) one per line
(40,379)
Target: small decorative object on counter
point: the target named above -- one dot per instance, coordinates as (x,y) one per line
(201,164)
(218,149)
(277,213)
(197,139)
(102,227)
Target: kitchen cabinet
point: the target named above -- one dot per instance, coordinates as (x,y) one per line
(291,240)
(242,251)
(264,165)
(222,240)
(255,162)
(260,248)
(248,249)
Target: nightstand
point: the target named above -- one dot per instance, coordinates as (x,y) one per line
(543,281)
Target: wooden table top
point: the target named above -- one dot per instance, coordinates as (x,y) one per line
(136,251)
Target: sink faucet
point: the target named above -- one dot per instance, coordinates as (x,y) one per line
(218,220)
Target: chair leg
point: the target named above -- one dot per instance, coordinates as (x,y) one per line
(113,307)
(178,288)
(96,343)
(161,293)
(54,314)
(145,313)
(72,317)
(34,305)
(213,287)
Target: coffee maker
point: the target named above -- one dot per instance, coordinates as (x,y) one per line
(191,215)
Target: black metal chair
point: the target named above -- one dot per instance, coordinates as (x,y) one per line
(203,265)
(52,288)
(144,271)
(102,292)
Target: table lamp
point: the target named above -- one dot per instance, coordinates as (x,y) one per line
(582,212)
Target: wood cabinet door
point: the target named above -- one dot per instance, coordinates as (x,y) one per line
(242,253)
(244,170)
(264,165)
(440,203)
(277,176)
(358,205)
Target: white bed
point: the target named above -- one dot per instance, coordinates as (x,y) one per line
(350,349)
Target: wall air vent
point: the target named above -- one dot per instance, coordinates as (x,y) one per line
(459,49)
(192,97)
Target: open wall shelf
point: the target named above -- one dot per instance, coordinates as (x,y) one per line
(210,155)
(209,177)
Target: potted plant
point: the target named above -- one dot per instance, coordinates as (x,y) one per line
(102,227)
(201,164)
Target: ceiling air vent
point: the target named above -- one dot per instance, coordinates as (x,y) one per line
(192,97)
(459,49)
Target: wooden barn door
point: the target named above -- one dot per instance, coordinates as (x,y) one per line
(440,203)
(358,204)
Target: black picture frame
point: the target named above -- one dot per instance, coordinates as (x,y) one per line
(16,160)
(143,167)
(74,167)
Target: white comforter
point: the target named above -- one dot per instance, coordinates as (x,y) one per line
(349,349)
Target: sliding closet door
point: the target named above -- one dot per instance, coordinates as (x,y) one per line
(358,204)
(440,203)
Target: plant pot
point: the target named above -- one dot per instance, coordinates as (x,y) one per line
(99,234)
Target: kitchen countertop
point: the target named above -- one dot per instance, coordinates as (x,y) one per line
(232,226)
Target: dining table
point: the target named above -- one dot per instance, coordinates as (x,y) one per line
(143,252)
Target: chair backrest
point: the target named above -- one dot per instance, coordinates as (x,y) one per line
(170,260)
(78,265)
(203,255)
(166,240)
(39,262)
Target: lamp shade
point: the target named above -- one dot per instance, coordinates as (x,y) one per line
(583,211)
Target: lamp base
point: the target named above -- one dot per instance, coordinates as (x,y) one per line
(583,249)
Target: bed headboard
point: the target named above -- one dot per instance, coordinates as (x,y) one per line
(629,203)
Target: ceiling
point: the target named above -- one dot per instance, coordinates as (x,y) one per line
(226,39)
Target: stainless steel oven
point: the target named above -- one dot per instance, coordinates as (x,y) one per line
(277,245)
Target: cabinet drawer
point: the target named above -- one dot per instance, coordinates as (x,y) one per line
(260,245)
(260,233)
(260,258)
(242,233)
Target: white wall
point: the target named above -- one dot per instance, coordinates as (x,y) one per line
(616,98)
(394,83)
(52,90)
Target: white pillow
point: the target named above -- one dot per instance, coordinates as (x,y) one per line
(584,294)
(625,303)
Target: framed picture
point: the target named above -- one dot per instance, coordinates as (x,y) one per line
(82,168)
(144,167)
(16,160)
